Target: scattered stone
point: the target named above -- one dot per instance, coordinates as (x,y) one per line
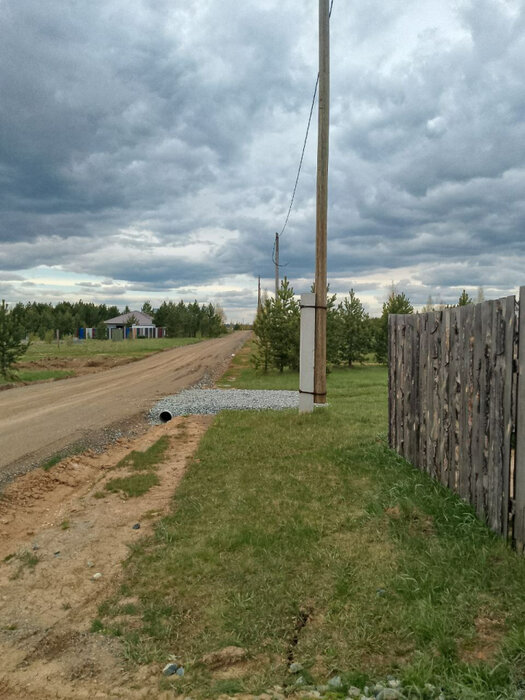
(228,656)
(56,554)
(90,564)
(335,682)
(393,683)
(136,526)
(170,669)
(295,667)
(96,577)
(381,592)
(180,671)
(311,694)
(35,547)
(390,694)
(353,692)
(300,681)
(323,688)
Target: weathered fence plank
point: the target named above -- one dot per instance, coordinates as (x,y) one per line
(451,403)
(519,462)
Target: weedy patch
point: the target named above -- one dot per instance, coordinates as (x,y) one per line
(134,485)
(149,459)
(26,562)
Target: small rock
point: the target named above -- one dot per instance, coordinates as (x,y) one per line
(180,671)
(35,547)
(323,688)
(56,554)
(136,526)
(393,683)
(335,682)
(90,564)
(381,592)
(353,692)
(390,694)
(300,681)
(311,694)
(295,667)
(96,577)
(170,669)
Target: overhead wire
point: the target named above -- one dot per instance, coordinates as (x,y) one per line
(302,155)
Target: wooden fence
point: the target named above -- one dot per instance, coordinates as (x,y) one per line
(457,408)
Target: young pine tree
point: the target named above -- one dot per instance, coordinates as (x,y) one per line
(395,304)
(355,341)
(11,345)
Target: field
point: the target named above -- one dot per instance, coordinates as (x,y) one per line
(48,361)
(305,540)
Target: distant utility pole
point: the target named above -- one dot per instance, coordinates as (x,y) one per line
(276,258)
(259,294)
(322,202)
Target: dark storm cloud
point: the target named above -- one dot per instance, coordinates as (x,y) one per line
(157,144)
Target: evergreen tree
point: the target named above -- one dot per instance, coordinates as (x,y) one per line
(277,331)
(11,337)
(355,341)
(147,308)
(284,328)
(395,304)
(464,299)
(262,358)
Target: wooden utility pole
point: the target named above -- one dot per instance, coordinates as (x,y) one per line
(322,202)
(276,258)
(259,294)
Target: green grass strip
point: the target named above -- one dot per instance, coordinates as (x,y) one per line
(289,517)
(149,459)
(134,485)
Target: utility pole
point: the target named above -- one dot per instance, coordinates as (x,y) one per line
(259,294)
(322,202)
(276,258)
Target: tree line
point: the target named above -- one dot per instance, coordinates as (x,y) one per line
(351,335)
(42,320)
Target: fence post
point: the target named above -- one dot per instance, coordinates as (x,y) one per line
(519,458)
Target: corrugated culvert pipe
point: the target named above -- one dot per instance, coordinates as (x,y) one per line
(165,416)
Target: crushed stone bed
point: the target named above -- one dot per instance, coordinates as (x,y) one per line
(206,401)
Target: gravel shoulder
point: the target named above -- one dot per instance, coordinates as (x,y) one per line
(40,420)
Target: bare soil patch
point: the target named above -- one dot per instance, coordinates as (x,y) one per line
(79,365)
(57,530)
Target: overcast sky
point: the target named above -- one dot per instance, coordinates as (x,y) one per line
(148,149)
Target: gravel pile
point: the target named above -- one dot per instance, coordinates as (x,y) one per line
(202,401)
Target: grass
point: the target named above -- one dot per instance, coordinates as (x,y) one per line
(137,484)
(134,485)
(59,456)
(139,347)
(304,538)
(149,459)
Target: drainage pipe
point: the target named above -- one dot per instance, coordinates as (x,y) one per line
(165,416)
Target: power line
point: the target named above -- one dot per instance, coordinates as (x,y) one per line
(303,151)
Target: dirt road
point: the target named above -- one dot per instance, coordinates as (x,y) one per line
(37,421)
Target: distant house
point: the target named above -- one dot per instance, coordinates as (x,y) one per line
(142,327)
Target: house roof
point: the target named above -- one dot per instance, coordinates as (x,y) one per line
(142,319)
